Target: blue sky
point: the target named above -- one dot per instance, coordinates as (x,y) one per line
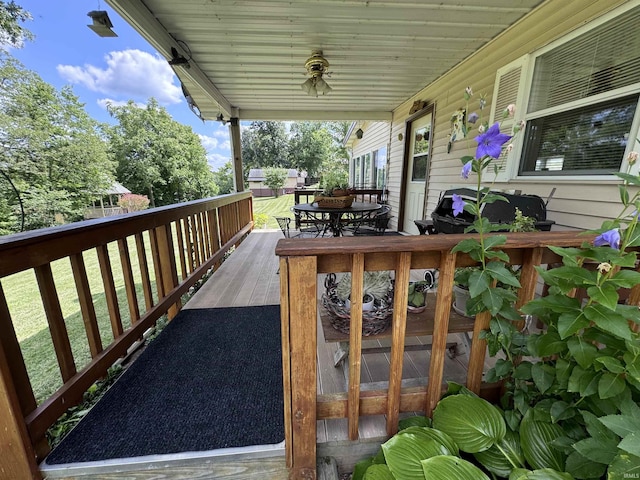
(100,70)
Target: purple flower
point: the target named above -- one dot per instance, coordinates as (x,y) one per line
(458,204)
(610,237)
(466,169)
(490,143)
(473,117)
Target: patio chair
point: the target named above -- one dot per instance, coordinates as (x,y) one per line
(376,224)
(285,225)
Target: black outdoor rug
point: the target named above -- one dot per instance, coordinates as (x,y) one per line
(212,379)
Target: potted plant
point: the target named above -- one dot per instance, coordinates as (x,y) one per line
(335,183)
(417,293)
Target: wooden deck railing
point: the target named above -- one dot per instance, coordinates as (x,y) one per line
(182,241)
(301,260)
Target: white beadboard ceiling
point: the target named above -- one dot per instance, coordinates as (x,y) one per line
(247,56)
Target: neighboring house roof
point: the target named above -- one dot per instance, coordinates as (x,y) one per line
(257,174)
(117,189)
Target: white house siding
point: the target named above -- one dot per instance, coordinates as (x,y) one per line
(574,204)
(376,136)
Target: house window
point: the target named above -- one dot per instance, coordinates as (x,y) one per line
(420,154)
(583,100)
(380,162)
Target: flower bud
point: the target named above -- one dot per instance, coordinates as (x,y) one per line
(632,157)
(604,267)
(481,129)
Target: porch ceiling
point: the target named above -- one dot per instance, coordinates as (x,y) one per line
(247,57)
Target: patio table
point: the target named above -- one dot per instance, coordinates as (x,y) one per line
(332,217)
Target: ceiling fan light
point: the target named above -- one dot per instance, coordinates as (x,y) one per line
(306,86)
(322,86)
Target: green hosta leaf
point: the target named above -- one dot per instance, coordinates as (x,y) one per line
(473,423)
(379,472)
(608,321)
(631,444)
(543,376)
(606,295)
(502,274)
(440,437)
(360,469)
(536,438)
(403,453)
(611,385)
(624,464)
(414,422)
(451,468)
(501,458)
(571,322)
(583,352)
(612,364)
(542,474)
(581,467)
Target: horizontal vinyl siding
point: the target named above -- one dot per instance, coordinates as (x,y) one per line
(573,205)
(376,135)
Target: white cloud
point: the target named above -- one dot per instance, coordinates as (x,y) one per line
(103,102)
(129,74)
(225,146)
(209,143)
(216,160)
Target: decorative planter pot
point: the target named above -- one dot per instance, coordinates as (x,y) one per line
(367,303)
(460,297)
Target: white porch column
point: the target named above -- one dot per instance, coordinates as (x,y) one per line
(236,151)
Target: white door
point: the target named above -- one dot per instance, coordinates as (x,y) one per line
(417,171)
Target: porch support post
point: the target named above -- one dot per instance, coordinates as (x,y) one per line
(300,356)
(236,149)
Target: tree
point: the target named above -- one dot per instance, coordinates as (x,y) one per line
(223,178)
(158,156)
(52,154)
(310,145)
(275,178)
(265,144)
(11,16)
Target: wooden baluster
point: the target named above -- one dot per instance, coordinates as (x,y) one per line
(214,232)
(15,361)
(169,274)
(144,271)
(188,235)
(86,304)
(18,456)
(355,344)
(155,255)
(201,238)
(528,277)
(57,327)
(206,234)
(403,271)
(197,259)
(303,335)
(181,249)
(129,282)
(440,330)
(109,290)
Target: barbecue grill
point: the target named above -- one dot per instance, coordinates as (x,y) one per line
(498,212)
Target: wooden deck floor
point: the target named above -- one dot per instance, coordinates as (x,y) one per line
(249,277)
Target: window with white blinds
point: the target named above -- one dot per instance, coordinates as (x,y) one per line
(582,102)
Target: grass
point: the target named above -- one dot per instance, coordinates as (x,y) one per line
(272,207)
(30,323)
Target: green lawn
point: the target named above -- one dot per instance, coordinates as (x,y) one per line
(272,207)
(25,305)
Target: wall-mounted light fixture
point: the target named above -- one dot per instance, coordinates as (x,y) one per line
(178,60)
(101,23)
(220,118)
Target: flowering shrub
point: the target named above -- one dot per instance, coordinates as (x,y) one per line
(133,203)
